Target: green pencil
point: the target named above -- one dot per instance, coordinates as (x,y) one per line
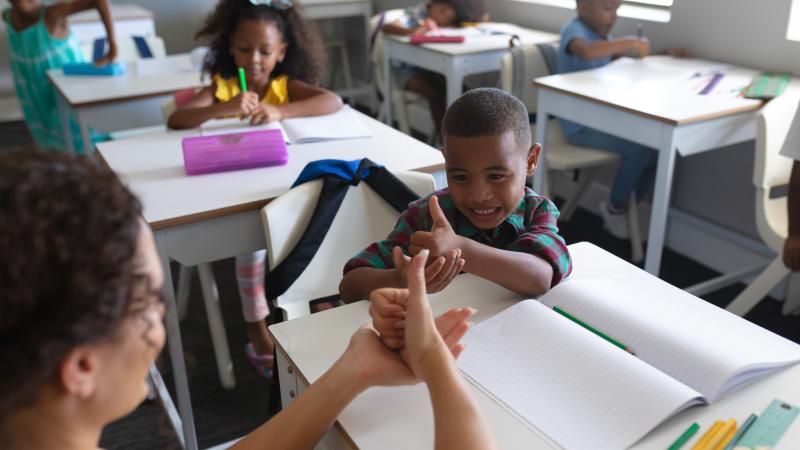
(685,436)
(592,329)
(242,80)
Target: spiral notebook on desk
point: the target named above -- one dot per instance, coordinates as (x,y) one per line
(343,124)
(584,392)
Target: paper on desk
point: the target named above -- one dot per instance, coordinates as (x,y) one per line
(163,66)
(343,124)
(466,32)
(236,125)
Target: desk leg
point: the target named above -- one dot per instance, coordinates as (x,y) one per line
(64,113)
(454,79)
(88,149)
(540,174)
(661,198)
(176,347)
(387,82)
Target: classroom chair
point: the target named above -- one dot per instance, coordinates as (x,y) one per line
(771,170)
(364,217)
(403,101)
(518,69)
(341,62)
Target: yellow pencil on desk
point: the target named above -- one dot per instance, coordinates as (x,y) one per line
(718,436)
(702,444)
(724,436)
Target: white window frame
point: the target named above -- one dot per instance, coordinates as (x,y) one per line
(793,27)
(633,9)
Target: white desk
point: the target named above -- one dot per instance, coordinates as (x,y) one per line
(127,101)
(477,54)
(645,102)
(401,418)
(206,218)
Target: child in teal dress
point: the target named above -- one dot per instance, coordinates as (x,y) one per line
(39,39)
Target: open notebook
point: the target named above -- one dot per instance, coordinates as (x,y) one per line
(343,124)
(583,391)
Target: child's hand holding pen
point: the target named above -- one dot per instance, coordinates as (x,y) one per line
(243,104)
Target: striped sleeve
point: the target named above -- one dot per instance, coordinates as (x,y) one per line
(541,239)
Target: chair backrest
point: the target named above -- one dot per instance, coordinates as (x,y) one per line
(364,217)
(773,124)
(376,36)
(518,69)
(771,169)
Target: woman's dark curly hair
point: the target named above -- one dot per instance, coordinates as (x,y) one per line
(305,57)
(69,269)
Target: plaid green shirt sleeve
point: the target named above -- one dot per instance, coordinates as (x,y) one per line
(541,238)
(379,254)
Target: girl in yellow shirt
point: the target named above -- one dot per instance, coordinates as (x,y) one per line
(283,60)
(281,55)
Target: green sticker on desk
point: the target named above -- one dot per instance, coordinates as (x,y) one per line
(767,430)
(767,85)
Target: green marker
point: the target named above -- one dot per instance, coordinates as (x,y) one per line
(592,329)
(684,437)
(242,80)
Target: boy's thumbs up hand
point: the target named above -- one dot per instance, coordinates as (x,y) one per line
(443,244)
(441,240)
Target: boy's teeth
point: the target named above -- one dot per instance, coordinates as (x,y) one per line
(484,211)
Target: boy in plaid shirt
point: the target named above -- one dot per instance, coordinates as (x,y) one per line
(487,222)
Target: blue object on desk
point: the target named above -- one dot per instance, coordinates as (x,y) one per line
(768,428)
(113,69)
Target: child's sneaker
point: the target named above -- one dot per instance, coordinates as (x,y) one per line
(615,223)
(262,363)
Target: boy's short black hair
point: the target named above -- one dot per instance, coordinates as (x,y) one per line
(485,112)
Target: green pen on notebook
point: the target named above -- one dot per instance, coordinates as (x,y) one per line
(593,330)
(242,80)
(685,436)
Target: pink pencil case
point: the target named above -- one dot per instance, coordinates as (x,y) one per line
(220,153)
(425,39)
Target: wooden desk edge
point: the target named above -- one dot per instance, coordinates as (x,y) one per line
(688,121)
(244,207)
(303,379)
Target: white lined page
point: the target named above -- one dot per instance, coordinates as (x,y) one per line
(567,382)
(693,341)
(232,125)
(343,124)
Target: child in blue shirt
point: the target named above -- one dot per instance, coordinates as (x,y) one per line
(586,43)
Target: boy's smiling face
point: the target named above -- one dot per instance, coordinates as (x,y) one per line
(486,175)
